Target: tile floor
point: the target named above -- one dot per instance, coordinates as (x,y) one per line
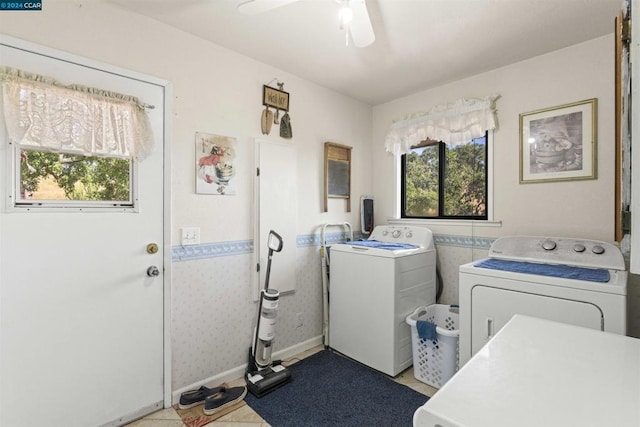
(247,417)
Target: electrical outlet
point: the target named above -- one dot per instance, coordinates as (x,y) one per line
(190,236)
(299,320)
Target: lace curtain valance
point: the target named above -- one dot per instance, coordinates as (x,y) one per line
(42,112)
(455,124)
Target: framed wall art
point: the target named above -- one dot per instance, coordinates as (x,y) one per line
(215,164)
(559,143)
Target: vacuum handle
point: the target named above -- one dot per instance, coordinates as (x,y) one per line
(274,241)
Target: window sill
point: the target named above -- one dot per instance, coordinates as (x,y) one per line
(445,222)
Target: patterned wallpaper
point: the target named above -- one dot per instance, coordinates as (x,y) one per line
(213,313)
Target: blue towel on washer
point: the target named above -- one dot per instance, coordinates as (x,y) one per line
(390,246)
(426,330)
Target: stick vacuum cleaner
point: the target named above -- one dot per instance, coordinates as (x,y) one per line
(263,375)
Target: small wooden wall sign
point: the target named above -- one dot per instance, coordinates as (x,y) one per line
(275,98)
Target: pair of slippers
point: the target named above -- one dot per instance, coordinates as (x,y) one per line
(214,399)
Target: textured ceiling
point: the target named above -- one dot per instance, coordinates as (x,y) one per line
(419,43)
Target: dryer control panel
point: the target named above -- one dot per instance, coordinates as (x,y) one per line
(556,250)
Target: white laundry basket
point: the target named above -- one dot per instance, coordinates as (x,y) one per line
(435,361)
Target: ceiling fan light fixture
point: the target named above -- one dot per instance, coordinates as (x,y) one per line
(345,15)
(353,17)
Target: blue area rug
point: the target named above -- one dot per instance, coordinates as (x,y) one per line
(328,389)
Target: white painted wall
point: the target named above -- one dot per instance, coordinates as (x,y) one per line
(219,91)
(573,209)
(216,91)
(580,209)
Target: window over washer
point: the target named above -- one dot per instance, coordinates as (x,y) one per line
(440,181)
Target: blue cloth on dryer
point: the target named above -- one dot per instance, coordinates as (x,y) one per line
(426,330)
(551,270)
(382,245)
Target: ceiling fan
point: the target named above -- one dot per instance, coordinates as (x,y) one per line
(353,17)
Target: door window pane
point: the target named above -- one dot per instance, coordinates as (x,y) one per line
(61,178)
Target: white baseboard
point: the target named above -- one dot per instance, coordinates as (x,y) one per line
(238,372)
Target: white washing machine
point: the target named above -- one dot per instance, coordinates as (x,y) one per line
(374,285)
(579,282)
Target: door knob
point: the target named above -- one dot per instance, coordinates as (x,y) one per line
(152,248)
(153,271)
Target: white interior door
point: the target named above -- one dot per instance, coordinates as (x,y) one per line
(81,322)
(277,206)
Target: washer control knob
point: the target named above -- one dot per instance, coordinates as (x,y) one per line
(396,233)
(578,247)
(385,232)
(598,250)
(548,245)
(409,234)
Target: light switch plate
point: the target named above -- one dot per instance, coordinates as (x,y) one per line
(190,236)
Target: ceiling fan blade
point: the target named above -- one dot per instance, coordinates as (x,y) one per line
(360,27)
(254,7)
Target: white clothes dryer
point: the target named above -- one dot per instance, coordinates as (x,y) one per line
(575,281)
(374,285)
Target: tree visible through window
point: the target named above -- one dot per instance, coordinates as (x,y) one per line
(57,176)
(72,146)
(441,181)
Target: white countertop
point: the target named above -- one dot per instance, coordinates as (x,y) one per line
(536,372)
